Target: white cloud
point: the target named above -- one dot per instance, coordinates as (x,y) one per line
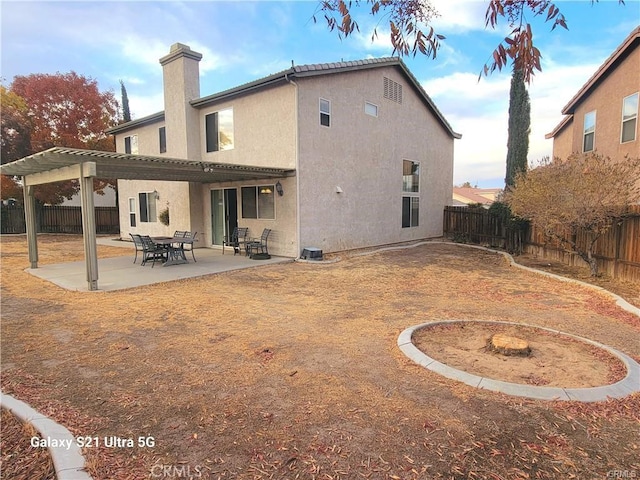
(479,110)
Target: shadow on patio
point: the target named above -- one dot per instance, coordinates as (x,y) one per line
(118,273)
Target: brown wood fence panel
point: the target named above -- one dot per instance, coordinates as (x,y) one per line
(58,219)
(617,252)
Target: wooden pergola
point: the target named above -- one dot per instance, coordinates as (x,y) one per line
(59,163)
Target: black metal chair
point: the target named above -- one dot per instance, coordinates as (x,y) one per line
(260,246)
(152,251)
(137,242)
(238,239)
(190,245)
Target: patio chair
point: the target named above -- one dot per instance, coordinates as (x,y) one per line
(238,239)
(152,251)
(137,242)
(259,246)
(189,246)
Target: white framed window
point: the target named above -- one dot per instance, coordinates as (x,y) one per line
(629,118)
(131,144)
(219,130)
(589,136)
(148,211)
(371,109)
(259,202)
(132,211)
(410,193)
(325,112)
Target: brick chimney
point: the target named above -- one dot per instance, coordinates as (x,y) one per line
(181,77)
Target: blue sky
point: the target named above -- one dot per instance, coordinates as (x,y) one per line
(245,40)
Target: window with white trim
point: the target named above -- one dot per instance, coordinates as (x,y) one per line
(589,137)
(325,112)
(371,109)
(219,130)
(410,193)
(258,202)
(629,118)
(132,211)
(147,201)
(131,144)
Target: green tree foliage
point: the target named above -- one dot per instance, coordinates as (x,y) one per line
(62,110)
(519,128)
(585,194)
(411,32)
(15,139)
(126,113)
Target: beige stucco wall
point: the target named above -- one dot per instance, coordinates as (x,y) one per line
(563,141)
(363,156)
(263,129)
(606,99)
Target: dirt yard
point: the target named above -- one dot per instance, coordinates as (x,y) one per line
(292,371)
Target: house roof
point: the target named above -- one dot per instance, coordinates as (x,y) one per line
(138,167)
(624,49)
(303,71)
(467,195)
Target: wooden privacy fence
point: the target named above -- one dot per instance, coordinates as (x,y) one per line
(617,251)
(58,219)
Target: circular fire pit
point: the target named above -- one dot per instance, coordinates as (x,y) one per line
(535,354)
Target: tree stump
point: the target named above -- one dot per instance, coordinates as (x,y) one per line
(509,346)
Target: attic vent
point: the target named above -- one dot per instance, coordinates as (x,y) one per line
(392,90)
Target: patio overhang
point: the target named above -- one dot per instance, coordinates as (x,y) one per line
(59,163)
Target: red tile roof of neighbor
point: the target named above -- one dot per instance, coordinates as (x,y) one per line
(485,196)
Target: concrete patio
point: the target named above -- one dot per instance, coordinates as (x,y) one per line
(118,273)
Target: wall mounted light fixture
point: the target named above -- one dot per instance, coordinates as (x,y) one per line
(279,188)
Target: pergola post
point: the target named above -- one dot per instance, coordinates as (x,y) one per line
(87,172)
(30,221)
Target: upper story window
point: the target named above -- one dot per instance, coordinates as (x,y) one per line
(325,112)
(410,176)
(219,130)
(131,144)
(588,142)
(392,90)
(162,137)
(629,118)
(410,196)
(371,109)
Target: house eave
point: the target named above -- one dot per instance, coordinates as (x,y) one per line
(139,122)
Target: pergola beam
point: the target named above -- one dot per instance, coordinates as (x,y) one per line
(72,172)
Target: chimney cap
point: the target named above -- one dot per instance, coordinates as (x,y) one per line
(178,50)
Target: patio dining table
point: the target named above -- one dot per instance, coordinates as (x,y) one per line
(175,249)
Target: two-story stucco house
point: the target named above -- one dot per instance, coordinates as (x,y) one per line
(361,156)
(603,115)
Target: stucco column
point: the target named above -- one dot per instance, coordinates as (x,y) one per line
(30,220)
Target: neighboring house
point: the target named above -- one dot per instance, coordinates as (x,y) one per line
(469,195)
(365,157)
(603,115)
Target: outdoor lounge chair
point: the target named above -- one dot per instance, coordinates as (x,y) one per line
(152,251)
(137,242)
(259,246)
(238,239)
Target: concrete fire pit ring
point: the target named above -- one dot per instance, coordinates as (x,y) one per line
(628,385)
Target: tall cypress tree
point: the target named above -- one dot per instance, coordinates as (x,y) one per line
(126,113)
(519,128)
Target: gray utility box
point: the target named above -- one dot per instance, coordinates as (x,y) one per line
(311,253)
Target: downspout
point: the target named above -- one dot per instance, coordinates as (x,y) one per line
(297,165)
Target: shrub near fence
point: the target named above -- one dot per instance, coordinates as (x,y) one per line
(58,219)
(617,252)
